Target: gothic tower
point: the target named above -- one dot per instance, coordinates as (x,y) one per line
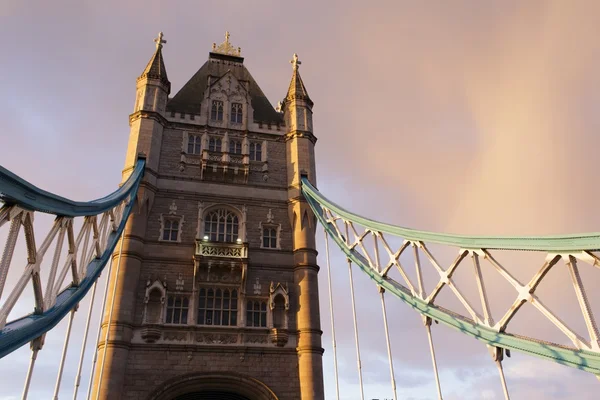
(213,292)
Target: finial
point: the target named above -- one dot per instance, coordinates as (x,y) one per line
(295,62)
(159,41)
(226,47)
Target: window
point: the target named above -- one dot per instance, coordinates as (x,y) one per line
(217,307)
(216,112)
(214,144)
(221,225)
(236,113)
(171,230)
(235,147)
(177,310)
(255,152)
(194,144)
(270,238)
(256,314)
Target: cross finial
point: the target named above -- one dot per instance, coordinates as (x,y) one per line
(295,62)
(227,36)
(159,41)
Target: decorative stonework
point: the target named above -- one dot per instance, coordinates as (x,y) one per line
(279,337)
(175,336)
(226,48)
(221,274)
(257,287)
(216,338)
(256,339)
(150,333)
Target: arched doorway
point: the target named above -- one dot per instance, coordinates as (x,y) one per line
(213,386)
(211,395)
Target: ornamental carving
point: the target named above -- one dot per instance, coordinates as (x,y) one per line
(221,274)
(256,339)
(175,336)
(216,338)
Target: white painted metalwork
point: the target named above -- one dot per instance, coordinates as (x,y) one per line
(335,363)
(84,343)
(110,314)
(95,359)
(63,357)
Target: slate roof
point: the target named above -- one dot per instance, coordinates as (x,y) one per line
(156,69)
(189,98)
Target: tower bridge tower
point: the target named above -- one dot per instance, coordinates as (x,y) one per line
(213,291)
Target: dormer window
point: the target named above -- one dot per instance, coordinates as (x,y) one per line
(216,112)
(235,147)
(194,144)
(214,144)
(255,152)
(236,113)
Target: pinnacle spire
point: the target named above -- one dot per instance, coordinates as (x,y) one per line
(156,66)
(297,90)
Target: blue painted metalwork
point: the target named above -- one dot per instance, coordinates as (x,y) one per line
(15,190)
(581,359)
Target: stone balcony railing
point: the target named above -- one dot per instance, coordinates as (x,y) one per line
(220,249)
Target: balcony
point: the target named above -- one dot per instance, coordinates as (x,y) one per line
(222,165)
(221,249)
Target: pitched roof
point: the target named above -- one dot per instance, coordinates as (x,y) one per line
(189,98)
(297,89)
(156,68)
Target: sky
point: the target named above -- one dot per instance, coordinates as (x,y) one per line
(467,116)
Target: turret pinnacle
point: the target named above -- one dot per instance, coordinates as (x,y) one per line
(297,89)
(156,66)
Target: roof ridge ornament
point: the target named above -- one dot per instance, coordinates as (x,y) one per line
(295,62)
(159,41)
(226,47)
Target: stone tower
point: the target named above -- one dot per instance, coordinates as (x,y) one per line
(215,279)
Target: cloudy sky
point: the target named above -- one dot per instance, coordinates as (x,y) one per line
(465,116)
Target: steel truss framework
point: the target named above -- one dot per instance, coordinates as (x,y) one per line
(362,240)
(69,279)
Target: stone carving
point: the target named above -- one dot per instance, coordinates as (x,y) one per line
(270,216)
(173,208)
(257,287)
(221,273)
(172,336)
(216,338)
(179,283)
(256,339)
(227,48)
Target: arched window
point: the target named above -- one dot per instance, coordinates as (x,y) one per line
(214,144)
(255,152)
(236,113)
(194,144)
(235,147)
(256,313)
(217,307)
(221,225)
(279,312)
(216,112)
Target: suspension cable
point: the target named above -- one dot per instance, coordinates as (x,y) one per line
(335,364)
(427,321)
(112,306)
(91,382)
(85,336)
(498,355)
(358,362)
(36,345)
(385,323)
(63,356)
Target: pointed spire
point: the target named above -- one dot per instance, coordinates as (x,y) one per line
(156,66)
(297,90)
